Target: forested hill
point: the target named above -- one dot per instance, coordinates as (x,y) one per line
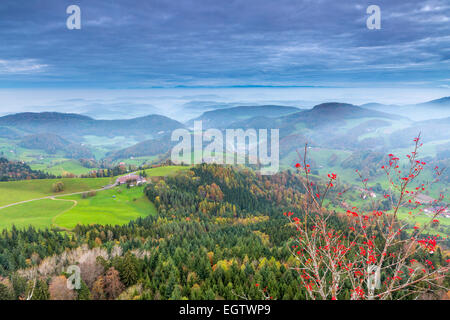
(52,143)
(223,118)
(332,112)
(73,126)
(16,170)
(219,233)
(225,192)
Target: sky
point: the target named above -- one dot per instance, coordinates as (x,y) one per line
(148,44)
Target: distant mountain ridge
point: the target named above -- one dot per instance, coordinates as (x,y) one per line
(319,124)
(41,116)
(434,129)
(379,106)
(345,110)
(74,126)
(326,124)
(221,118)
(434,109)
(440,101)
(335,113)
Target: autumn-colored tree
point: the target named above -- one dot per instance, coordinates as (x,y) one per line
(113,287)
(97,289)
(59,291)
(376,257)
(58,186)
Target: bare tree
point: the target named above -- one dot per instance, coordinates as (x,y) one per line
(59,291)
(113,287)
(90,269)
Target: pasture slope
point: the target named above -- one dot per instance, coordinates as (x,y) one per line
(45,208)
(165,170)
(115,206)
(16,191)
(62,168)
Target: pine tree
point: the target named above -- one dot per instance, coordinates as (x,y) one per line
(129,270)
(210,295)
(83,292)
(176,293)
(5,293)
(41,291)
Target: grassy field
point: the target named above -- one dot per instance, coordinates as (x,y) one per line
(12,151)
(39,214)
(115,206)
(15,191)
(165,171)
(62,168)
(117,141)
(137,161)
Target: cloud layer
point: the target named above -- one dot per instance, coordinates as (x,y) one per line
(162,43)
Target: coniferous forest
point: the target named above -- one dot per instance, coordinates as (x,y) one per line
(220,233)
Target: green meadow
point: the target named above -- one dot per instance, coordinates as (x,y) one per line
(63,167)
(165,171)
(137,161)
(16,191)
(115,206)
(39,214)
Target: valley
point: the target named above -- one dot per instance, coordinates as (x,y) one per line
(341,138)
(118,189)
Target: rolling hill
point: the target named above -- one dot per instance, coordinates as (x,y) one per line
(341,125)
(222,118)
(75,126)
(444,102)
(150,147)
(434,109)
(432,130)
(52,143)
(335,112)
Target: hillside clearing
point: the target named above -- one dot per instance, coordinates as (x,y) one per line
(165,170)
(63,168)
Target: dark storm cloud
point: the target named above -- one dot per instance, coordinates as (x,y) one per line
(219,43)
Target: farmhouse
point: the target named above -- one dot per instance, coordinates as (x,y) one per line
(133,179)
(443,212)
